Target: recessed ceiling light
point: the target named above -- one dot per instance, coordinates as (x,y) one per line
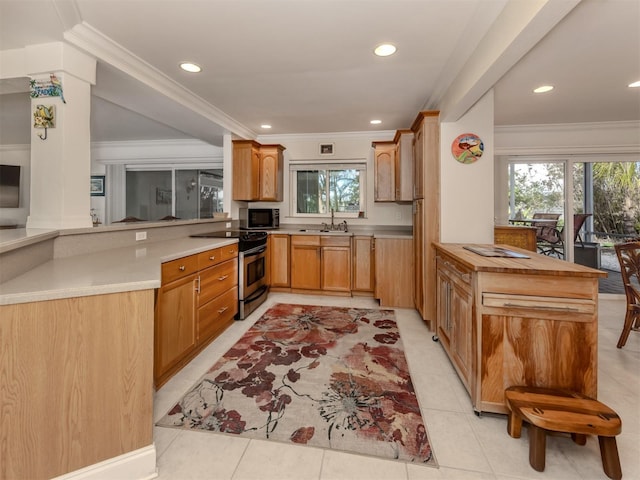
(635,84)
(190,67)
(385,50)
(543,89)
(375,122)
(265,126)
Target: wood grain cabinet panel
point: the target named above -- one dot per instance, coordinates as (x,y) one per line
(192,310)
(505,322)
(384,171)
(279,261)
(394,272)
(363,278)
(258,171)
(305,262)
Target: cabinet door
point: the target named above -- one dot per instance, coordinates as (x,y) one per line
(246,170)
(418,248)
(215,316)
(404,166)
(175,322)
(305,267)
(418,163)
(384,172)
(271,173)
(394,272)
(363,264)
(279,260)
(461,309)
(443,309)
(336,269)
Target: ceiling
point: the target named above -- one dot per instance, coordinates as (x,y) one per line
(306,66)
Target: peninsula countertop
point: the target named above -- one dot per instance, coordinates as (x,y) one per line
(135,267)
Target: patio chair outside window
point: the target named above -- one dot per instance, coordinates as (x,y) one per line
(629,257)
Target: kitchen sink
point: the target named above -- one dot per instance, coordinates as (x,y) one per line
(333,232)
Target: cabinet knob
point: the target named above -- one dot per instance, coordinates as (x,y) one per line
(224,277)
(181,268)
(222,310)
(212,258)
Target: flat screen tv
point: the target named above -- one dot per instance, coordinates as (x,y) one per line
(9,186)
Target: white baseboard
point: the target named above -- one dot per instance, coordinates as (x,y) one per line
(136,465)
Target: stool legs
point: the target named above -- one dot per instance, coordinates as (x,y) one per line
(537,447)
(514,425)
(610,458)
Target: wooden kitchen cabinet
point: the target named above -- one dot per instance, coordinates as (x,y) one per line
(197,300)
(516,236)
(321,263)
(279,261)
(336,264)
(246,170)
(508,321)
(394,272)
(384,171)
(258,171)
(393,168)
(271,173)
(454,315)
(305,262)
(175,323)
(426,227)
(363,261)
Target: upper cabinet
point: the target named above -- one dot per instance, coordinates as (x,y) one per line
(393,168)
(257,171)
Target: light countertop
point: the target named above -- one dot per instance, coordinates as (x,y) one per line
(136,267)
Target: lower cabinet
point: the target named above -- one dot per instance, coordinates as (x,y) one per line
(279,261)
(197,301)
(455,314)
(394,272)
(321,262)
(363,279)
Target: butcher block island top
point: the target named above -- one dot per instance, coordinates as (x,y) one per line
(506,321)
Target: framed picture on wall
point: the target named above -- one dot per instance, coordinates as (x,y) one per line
(97,185)
(326,149)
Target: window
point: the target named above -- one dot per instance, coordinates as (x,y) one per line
(156,193)
(316,189)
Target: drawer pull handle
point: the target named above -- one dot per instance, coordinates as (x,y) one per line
(181,268)
(222,310)
(542,307)
(212,258)
(224,277)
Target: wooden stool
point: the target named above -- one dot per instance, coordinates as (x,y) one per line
(546,409)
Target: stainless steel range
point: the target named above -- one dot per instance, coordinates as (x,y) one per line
(252,264)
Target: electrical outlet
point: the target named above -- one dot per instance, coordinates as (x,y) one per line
(228,225)
(141,236)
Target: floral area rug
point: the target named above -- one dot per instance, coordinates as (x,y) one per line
(329,377)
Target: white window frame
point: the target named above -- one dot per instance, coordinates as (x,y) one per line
(295,166)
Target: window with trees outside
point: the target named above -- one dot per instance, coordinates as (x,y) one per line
(317,189)
(604,190)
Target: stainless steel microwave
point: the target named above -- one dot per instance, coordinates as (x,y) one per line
(259,218)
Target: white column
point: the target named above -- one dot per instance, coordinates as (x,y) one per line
(61,163)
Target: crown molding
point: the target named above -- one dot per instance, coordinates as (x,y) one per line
(156,151)
(17,147)
(380,135)
(92,41)
(568,127)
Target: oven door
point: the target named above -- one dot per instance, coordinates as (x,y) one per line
(253,271)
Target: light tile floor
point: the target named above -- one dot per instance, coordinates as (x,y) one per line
(466,446)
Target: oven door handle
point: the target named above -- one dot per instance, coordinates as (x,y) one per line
(255,253)
(256,294)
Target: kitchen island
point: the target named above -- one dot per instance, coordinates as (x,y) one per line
(516,321)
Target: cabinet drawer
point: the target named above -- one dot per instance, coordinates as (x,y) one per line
(179,268)
(521,303)
(313,240)
(331,241)
(217,315)
(228,252)
(209,258)
(218,279)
